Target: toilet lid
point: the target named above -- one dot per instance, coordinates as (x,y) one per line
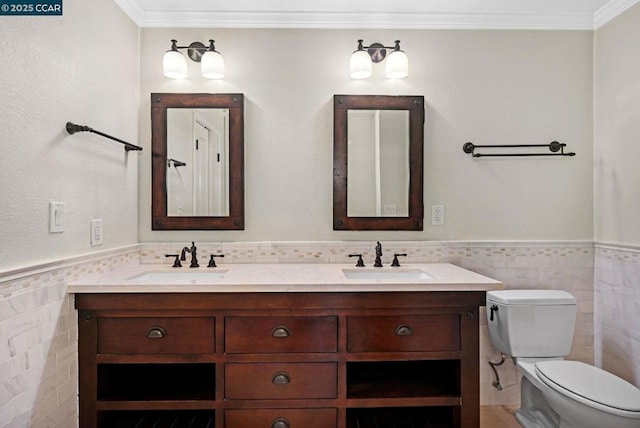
(590,383)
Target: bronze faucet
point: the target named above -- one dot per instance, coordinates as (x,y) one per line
(378,261)
(194,257)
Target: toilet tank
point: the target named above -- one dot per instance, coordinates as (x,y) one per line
(531,323)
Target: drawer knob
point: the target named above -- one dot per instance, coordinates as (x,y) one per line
(280,423)
(281,379)
(280,331)
(156,333)
(404,330)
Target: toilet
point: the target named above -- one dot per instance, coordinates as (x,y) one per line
(535,328)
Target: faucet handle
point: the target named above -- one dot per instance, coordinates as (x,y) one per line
(176,262)
(212,261)
(395,262)
(360,262)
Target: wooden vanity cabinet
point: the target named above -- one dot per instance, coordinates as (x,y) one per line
(279,360)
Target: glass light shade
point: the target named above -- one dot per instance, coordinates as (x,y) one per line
(212,65)
(397,65)
(360,64)
(174,65)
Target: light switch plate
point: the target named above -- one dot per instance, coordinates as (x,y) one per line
(56,217)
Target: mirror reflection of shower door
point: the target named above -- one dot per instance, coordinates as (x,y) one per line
(210,187)
(201,173)
(198,137)
(219,163)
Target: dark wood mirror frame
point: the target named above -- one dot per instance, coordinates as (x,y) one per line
(159,105)
(415,106)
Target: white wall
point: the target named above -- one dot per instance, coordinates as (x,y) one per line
(81,67)
(488,87)
(617,130)
(617,195)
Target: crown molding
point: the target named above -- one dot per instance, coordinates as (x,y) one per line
(132,9)
(395,20)
(610,10)
(366,20)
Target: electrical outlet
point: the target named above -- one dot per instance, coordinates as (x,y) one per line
(96,232)
(437,215)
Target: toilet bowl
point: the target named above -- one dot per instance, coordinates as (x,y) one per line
(579,395)
(535,328)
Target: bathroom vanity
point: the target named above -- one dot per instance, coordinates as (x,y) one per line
(308,346)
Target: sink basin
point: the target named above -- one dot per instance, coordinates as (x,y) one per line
(386,274)
(178,276)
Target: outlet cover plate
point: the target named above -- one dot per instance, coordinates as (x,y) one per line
(437,215)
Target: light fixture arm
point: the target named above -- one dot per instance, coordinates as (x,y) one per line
(212,46)
(377,51)
(195,50)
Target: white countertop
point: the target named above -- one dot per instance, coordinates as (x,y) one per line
(279,278)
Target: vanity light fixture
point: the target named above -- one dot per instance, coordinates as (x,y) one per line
(396,67)
(174,64)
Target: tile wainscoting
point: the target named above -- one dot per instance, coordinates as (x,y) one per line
(38,339)
(38,352)
(617,309)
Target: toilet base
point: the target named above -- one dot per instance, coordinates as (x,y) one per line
(534,410)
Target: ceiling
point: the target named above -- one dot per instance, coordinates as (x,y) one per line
(409,14)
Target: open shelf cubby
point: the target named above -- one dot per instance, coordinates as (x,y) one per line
(403,417)
(403,379)
(131,382)
(157,419)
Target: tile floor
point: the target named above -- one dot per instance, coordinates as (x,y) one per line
(498,417)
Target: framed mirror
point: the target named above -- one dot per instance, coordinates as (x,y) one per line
(378,162)
(197,168)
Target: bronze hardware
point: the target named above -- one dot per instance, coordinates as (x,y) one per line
(72,128)
(212,261)
(280,423)
(156,333)
(395,262)
(176,262)
(378,261)
(403,330)
(281,378)
(360,262)
(493,308)
(280,331)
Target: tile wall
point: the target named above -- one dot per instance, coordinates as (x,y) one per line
(617,308)
(38,362)
(38,340)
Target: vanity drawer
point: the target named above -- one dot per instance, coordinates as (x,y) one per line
(268,335)
(412,333)
(156,335)
(266,381)
(281,418)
